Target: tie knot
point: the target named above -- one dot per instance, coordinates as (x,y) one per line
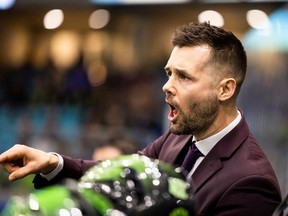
(195,149)
(192,155)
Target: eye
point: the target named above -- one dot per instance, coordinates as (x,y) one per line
(183,77)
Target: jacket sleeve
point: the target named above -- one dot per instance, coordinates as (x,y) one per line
(73,168)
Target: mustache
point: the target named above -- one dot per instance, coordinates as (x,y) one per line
(168,98)
(171,103)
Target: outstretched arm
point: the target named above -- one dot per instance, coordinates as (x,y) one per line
(21,160)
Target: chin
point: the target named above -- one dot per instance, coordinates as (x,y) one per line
(179,131)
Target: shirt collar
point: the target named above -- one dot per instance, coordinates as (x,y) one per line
(207,144)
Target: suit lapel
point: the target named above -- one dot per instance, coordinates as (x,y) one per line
(176,146)
(207,168)
(212,163)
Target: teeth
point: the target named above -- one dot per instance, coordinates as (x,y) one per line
(174,112)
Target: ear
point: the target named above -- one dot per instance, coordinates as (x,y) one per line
(226,88)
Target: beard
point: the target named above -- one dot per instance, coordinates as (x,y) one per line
(197,119)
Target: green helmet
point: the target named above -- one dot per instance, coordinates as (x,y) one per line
(50,201)
(130,185)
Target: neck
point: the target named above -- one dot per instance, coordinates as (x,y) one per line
(223,119)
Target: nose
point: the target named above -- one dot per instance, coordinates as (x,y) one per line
(168,87)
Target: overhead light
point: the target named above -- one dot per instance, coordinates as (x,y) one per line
(99,19)
(211,16)
(53,19)
(257,19)
(6,4)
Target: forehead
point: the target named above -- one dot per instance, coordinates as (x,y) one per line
(188,57)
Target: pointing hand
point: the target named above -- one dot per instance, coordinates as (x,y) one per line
(21,160)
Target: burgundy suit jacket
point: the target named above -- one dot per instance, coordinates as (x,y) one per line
(234,179)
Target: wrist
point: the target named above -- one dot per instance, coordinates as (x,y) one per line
(53,162)
(56,164)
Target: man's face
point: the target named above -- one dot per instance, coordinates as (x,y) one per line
(190,91)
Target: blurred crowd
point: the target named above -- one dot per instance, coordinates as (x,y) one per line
(62,111)
(46,101)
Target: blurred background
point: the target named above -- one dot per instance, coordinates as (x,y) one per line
(77,75)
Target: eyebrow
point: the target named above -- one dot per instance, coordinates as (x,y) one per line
(177,71)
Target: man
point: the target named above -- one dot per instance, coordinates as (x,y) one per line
(205,72)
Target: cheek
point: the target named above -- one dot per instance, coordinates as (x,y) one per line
(196,99)
(187,104)
(195,93)
(194,96)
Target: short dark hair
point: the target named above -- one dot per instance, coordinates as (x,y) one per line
(227,51)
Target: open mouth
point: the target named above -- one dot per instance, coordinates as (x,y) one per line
(173,113)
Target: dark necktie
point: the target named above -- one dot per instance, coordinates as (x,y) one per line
(191,157)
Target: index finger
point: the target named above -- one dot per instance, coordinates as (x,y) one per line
(12,154)
(3,157)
